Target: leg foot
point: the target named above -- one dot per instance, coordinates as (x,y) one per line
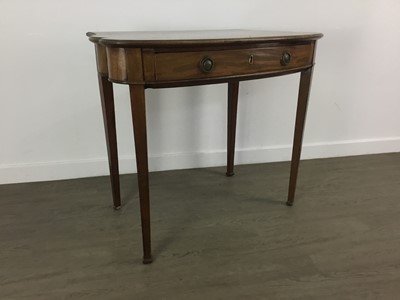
(147,260)
(230,174)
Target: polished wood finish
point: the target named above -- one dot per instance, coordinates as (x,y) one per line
(302,103)
(138,106)
(116,63)
(107,104)
(178,66)
(172,59)
(233,91)
(101,59)
(132,39)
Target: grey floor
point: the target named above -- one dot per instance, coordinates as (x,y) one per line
(213,237)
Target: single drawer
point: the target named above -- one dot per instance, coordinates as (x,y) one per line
(225,63)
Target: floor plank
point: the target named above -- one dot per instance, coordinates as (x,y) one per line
(214,237)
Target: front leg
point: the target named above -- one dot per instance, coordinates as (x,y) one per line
(304,92)
(138,107)
(233,90)
(107,104)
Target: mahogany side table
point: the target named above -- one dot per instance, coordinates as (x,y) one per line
(183,58)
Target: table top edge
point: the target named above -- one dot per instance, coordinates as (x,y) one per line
(224,37)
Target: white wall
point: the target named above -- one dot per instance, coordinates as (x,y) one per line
(50,117)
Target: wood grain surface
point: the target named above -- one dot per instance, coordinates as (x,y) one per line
(215,237)
(196,37)
(178,65)
(154,59)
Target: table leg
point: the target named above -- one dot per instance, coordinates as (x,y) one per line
(138,107)
(107,103)
(304,92)
(233,90)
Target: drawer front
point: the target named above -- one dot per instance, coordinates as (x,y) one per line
(221,63)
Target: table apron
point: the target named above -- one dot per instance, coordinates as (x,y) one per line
(184,67)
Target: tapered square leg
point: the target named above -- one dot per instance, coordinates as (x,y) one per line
(138,107)
(107,103)
(304,92)
(233,91)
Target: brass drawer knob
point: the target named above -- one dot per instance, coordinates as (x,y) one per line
(206,64)
(286,58)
